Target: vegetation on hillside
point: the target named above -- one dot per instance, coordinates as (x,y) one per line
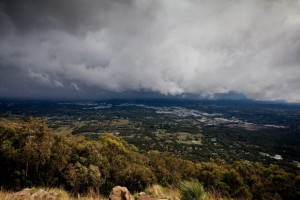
(32,155)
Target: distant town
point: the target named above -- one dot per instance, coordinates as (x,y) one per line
(195,130)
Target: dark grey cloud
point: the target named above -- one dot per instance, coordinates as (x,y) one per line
(72,16)
(94,47)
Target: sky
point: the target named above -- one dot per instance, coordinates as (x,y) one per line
(114,48)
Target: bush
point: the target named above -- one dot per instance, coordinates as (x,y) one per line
(192,190)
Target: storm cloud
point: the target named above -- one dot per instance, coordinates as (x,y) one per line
(90,48)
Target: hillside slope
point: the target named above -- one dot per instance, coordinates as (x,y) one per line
(32,155)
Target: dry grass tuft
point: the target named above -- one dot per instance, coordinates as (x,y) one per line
(157,191)
(62,195)
(3,194)
(92,195)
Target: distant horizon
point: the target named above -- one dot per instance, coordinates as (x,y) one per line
(146,99)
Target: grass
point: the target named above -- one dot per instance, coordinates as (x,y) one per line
(62,195)
(3,194)
(157,191)
(64,130)
(119,122)
(192,190)
(188,190)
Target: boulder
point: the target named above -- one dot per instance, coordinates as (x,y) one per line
(144,196)
(120,193)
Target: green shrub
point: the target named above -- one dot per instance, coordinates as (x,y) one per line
(192,190)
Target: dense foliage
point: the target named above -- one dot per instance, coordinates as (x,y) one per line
(32,155)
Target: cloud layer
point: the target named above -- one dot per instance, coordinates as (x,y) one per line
(71,48)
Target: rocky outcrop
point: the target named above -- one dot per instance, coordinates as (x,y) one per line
(30,194)
(120,193)
(117,193)
(23,194)
(144,196)
(41,195)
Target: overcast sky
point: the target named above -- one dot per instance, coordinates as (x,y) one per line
(98,48)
